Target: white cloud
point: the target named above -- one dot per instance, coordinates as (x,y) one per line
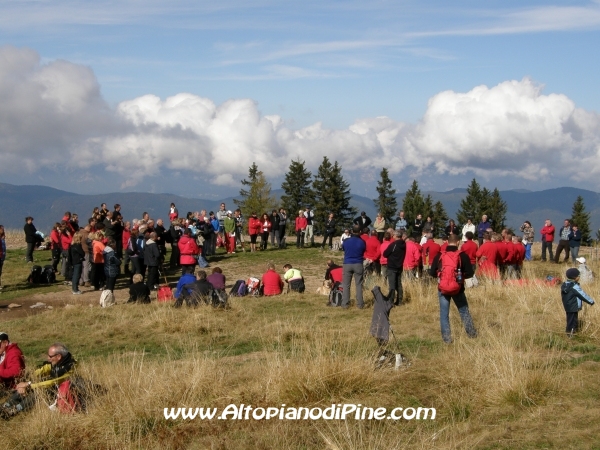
(53,115)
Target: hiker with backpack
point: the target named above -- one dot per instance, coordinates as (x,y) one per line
(451,268)
(59,368)
(112,264)
(76,258)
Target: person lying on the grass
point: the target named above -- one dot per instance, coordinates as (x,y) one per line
(60,367)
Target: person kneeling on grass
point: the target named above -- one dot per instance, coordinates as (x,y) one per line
(138,291)
(294,278)
(271,283)
(59,368)
(572,298)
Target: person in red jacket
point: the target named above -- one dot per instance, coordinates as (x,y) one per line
(469,247)
(301,224)
(387,240)
(12,363)
(56,247)
(429,250)
(487,255)
(265,229)
(272,284)
(412,258)
(372,254)
(66,237)
(188,249)
(518,255)
(254,228)
(547,233)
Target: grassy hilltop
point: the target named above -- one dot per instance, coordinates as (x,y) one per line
(521,384)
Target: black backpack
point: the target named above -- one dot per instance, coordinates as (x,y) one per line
(335,296)
(48,275)
(35,276)
(218,298)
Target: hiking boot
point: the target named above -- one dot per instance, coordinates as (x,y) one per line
(87,284)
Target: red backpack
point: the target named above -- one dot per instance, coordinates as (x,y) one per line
(447,276)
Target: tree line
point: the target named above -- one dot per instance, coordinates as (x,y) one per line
(328,192)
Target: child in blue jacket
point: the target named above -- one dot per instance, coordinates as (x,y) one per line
(572,298)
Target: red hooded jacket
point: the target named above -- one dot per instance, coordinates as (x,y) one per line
(188,250)
(11,366)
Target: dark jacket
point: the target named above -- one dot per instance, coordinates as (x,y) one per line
(111,263)
(30,233)
(151,254)
(139,292)
(76,254)
(330,227)
(395,253)
(575,238)
(465,265)
(362,221)
(572,296)
(198,287)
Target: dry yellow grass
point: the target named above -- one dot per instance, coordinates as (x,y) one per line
(520,384)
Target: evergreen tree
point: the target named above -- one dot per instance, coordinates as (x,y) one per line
(414,204)
(297,189)
(440,217)
(581,218)
(386,202)
(495,209)
(257,197)
(332,195)
(470,206)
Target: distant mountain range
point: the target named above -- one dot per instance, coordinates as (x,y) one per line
(47,205)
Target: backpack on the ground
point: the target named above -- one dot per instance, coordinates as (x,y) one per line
(253,286)
(238,289)
(35,276)
(48,275)
(335,295)
(448,284)
(107,298)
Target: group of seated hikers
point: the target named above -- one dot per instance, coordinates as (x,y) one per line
(54,382)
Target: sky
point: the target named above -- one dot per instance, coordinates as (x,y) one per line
(183,96)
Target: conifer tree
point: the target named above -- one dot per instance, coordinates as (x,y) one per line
(440,217)
(332,194)
(581,218)
(386,202)
(296,186)
(257,197)
(471,205)
(496,210)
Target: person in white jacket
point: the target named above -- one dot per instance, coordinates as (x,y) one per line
(469,226)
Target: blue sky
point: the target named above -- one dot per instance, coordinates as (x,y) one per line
(307,79)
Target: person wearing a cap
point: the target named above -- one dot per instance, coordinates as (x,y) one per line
(12,362)
(573,297)
(585,273)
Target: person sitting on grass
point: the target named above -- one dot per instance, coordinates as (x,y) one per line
(216,278)
(187,277)
(271,281)
(12,363)
(200,289)
(572,297)
(59,368)
(138,291)
(294,278)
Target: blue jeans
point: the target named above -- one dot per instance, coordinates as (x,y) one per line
(528,252)
(76,276)
(574,253)
(460,300)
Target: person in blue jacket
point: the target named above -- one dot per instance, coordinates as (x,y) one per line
(354,249)
(573,297)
